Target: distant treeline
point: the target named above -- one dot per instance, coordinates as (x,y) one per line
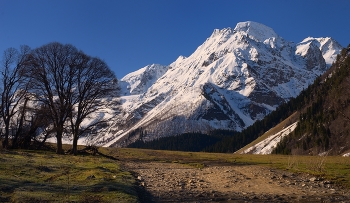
(194,142)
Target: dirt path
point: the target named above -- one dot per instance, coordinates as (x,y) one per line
(170,182)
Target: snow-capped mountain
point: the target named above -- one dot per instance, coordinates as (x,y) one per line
(234,78)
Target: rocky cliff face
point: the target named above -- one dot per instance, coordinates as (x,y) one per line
(234,78)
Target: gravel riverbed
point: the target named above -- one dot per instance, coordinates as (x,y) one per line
(174,182)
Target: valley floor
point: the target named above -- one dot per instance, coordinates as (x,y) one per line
(174,182)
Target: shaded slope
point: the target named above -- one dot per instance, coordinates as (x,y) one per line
(324,126)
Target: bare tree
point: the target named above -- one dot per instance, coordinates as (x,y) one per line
(13,88)
(50,68)
(94,89)
(19,122)
(71,84)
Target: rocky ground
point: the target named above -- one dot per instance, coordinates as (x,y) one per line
(172,182)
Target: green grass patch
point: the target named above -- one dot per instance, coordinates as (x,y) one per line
(41,176)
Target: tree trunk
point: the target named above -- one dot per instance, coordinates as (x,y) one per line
(75,145)
(17,134)
(14,141)
(20,125)
(5,143)
(59,143)
(32,134)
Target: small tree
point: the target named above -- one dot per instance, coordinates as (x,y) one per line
(13,89)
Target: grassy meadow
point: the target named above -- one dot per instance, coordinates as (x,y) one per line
(43,176)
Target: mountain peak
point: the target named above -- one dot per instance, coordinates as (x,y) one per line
(329,47)
(256,30)
(237,76)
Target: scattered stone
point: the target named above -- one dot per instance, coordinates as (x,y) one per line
(90,177)
(177,183)
(313,179)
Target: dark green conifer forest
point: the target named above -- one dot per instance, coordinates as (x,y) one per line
(324,122)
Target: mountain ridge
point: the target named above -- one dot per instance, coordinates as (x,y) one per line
(237,76)
(322,117)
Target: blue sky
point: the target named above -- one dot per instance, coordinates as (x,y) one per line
(130,34)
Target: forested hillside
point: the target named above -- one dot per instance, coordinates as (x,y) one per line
(324,122)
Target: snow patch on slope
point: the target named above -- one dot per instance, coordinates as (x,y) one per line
(266,146)
(346,155)
(139,81)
